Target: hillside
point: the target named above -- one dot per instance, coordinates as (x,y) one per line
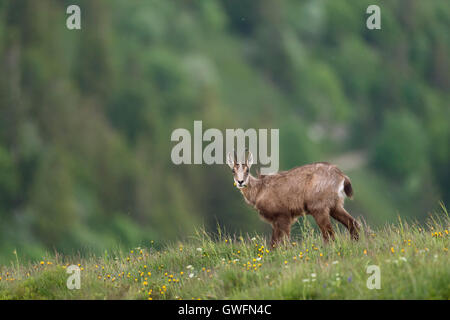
(412,259)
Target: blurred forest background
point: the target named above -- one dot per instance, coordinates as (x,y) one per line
(86,115)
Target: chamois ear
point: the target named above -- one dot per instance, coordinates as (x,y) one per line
(249,161)
(230,160)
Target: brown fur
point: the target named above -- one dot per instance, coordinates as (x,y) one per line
(316,189)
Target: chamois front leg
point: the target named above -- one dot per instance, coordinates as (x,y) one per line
(281,231)
(276,234)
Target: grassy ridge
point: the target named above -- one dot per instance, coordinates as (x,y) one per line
(413,261)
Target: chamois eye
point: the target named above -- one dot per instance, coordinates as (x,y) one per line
(232,171)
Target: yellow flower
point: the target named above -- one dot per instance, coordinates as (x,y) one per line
(145,283)
(42,262)
(365,251)
(392,249)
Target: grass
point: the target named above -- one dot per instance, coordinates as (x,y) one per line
(413,262)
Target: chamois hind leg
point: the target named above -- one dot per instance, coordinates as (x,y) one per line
(322,218)
(341,215)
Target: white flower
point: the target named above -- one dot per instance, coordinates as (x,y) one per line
(189,267)
(313,275)
(258,259)
(403,259)
(199,249)
(335,262)
(253,239)
(305,280)
(191,275)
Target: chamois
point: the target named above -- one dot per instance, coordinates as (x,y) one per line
(318,189)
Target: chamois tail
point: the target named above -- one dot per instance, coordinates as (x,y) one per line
(348,187)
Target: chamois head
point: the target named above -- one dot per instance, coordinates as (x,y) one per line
(240,171)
